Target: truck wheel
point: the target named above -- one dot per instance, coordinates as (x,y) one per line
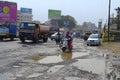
(35,40)
(45,39)
(22,39)
(11,38)
(64,49)
(1,38)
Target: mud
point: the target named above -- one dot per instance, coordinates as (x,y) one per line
(45,61)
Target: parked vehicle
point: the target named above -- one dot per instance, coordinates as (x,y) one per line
(55,36)
(33,31)
(8,31)
(94,39)
(77,35)
(86,35)
(8,18)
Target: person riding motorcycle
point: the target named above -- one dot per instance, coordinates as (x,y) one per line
(68,36)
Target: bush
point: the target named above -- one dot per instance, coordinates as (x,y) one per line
(114,36)
(105,37)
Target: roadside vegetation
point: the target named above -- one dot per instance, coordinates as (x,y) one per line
(113,46)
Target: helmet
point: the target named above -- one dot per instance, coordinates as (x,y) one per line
(67,34)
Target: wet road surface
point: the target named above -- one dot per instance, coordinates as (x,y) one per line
(45,61)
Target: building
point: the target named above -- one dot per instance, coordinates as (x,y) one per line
(24,15)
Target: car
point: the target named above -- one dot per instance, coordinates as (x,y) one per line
(77,35)
(86,35)
(94,39)
(55,36)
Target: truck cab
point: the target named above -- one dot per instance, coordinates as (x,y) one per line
(31,31)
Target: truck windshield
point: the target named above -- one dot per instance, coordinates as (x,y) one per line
(30,26)
(2,26)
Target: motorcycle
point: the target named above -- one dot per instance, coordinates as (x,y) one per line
(65,45)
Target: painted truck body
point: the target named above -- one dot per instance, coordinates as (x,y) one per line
(34,32)
(8,31)
(8,18)
(8,11)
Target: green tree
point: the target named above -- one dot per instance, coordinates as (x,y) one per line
(85,26)
(67,21)
(88,26)
(113,20)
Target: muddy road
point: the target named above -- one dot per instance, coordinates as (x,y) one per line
(45,61)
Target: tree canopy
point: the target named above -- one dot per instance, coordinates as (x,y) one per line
(67,21)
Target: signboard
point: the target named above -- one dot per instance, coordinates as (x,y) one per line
(113,27)
(54,14)
(8,11)
(26,10)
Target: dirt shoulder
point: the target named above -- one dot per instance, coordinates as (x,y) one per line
(112,46)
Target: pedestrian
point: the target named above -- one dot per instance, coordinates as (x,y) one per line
(58,38)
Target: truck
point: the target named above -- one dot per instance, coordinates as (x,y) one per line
(33,31)
(8,31)
(8,20)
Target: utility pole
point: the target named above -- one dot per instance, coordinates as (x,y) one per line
(109,20)
(99,25)
(118,17)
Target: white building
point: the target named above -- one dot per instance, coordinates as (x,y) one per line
(24,17)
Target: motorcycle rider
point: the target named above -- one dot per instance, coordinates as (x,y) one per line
(68,36)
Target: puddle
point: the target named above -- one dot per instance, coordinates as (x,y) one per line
(60,58)
(79,54)
(36,58)
(95,65)
(51,59)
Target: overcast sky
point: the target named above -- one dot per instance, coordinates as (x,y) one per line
(81,10)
